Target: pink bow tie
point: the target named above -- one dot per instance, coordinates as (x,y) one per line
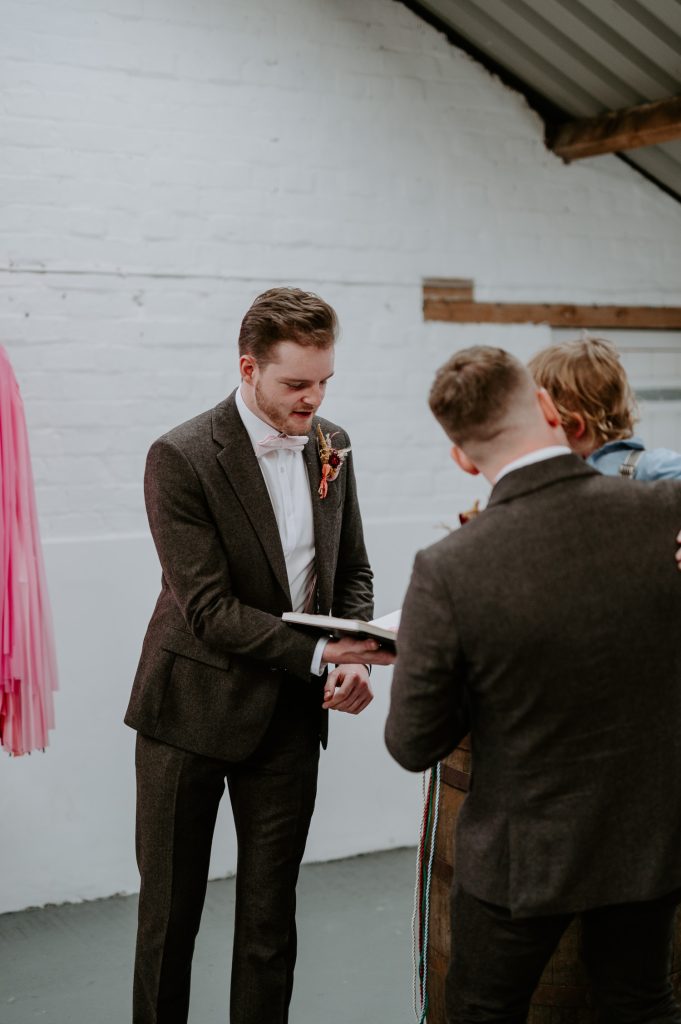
(275,442)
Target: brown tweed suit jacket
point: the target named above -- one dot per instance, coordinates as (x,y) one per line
(216,652)
(550,627)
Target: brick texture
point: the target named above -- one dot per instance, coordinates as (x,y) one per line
(163,162)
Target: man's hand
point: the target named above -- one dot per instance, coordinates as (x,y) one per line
(678,551)
(347,689)
(352,651)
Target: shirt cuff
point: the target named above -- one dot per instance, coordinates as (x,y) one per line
(316,668)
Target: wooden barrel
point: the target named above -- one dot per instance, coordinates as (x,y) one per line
(563,995)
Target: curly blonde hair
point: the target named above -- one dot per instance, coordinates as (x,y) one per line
(586,377)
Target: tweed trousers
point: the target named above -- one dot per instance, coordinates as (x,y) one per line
(272,793)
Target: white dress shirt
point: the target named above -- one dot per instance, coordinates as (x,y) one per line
(531,457)
(288,485)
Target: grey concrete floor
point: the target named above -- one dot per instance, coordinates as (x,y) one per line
(72,964)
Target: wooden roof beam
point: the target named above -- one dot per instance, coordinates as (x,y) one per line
(617,131)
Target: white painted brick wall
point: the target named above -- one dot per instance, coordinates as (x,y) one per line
(161,163)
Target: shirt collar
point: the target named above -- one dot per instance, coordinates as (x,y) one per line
(256,428)
(539,455)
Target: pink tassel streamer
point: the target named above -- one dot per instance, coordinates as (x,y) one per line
(28,664)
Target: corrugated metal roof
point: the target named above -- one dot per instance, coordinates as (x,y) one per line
(581,58)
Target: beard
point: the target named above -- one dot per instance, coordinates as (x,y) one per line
(273,414)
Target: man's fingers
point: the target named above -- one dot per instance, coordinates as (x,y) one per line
(352,698)
(342,693)
(382,657)
(347,688)
(351,705)
(354,694)
(347,650)
(333,680)
(350,651)
(359,703)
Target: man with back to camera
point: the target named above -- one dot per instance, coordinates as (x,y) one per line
(548,627)
(224,689)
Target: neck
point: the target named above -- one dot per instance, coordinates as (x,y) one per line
(248,397)
(492,467)
(533,426)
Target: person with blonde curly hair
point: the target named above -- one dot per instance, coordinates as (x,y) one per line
(590,389)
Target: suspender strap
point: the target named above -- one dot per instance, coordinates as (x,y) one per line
(628,467)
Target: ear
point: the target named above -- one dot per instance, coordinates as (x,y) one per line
(576,428)
(548,408)
(463,462)
(247,366)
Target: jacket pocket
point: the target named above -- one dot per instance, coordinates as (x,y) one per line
(179,641)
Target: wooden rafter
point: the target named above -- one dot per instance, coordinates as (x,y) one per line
(618,131)
(451,300)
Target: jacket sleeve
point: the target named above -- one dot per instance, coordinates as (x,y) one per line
(428,714)
(353,595)
(196,569)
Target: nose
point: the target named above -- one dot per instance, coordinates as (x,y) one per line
(313,397)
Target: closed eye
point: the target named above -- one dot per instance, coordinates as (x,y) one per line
(298,385)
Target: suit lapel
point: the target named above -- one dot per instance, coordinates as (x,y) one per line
(243,472)
(325,513)
(240,464)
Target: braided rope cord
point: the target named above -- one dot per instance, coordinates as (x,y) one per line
(416,915)
(424,872)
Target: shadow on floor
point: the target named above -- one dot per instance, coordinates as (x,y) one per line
(72,964)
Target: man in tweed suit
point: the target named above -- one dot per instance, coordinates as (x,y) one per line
(225,691)
(548,626)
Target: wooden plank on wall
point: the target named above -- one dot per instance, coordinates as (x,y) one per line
(443,301)
(454,289)
(618,130)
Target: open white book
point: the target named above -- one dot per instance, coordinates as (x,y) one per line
(383,629)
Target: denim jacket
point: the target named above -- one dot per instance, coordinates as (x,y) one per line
(655,464)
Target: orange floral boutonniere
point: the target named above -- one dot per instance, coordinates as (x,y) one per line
(331,458)
(465,517)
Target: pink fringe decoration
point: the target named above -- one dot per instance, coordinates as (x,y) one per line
(28,665)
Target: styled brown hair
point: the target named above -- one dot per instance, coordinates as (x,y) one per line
(587,377)
(471,394)
(286,314)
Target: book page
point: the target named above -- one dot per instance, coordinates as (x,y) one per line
(389,621)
